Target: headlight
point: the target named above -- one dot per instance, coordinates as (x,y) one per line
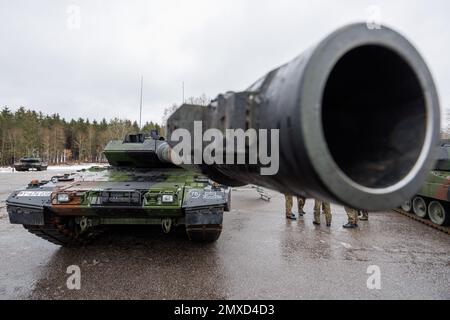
(167,198)
(63,197)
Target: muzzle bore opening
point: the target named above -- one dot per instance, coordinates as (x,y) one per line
(374,116)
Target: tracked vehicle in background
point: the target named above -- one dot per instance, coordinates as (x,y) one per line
(433,199)
(30,163)
(140,187)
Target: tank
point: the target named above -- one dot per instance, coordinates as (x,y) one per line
(30,163)
(433,199)
(354,120)
(140,187)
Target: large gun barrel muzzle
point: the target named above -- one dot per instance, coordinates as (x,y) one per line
(358,118)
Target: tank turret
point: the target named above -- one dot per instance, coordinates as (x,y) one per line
(139,150)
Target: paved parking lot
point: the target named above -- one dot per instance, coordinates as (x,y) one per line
(259,255)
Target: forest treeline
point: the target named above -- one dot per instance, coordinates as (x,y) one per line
(26,132)
(29,133)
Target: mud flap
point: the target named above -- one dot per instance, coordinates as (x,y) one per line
(205,224)
(27,216)
(204,216)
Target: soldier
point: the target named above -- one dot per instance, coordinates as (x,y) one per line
(300,204)
(363,215)
(289,205)
(352,218)
(326,209)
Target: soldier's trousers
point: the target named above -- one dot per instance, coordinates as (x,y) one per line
(352,215)
(364,214)
(325,206)
(289,203)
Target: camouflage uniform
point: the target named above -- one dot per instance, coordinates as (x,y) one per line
(364,215)
(326,210)
(352,215)
(289,203)
(300,204)
(288,199)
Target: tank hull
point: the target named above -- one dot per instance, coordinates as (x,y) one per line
(80,207)
(437,186)
(26,164)
(433,199)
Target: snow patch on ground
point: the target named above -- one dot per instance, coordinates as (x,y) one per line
(75,167)
(60,167)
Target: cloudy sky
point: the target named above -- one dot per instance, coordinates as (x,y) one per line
(85,58)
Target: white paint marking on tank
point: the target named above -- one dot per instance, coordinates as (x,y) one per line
(346,245)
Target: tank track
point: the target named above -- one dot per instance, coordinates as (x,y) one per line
(59,233)
(428,222)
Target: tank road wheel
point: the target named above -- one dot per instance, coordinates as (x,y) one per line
(204,225)
(419,207)
(438,214)
(406,206)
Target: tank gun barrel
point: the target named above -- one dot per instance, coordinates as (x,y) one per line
(163,152)
(357,115)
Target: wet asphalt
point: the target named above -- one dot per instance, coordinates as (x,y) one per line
(260,255)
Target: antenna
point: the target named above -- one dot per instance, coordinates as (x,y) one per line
(182,86)
(140,109)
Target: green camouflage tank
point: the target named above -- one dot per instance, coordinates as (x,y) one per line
(30,163)
(140,187)
(433,199)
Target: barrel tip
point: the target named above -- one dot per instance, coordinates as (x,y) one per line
(370,116)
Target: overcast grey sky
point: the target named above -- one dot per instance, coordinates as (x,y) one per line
(47,63)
